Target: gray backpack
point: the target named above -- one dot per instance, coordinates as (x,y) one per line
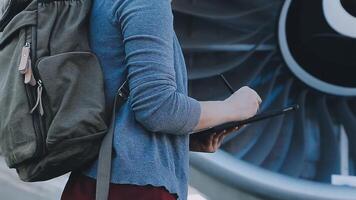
(52,106)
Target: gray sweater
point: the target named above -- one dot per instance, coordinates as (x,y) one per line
(135,39)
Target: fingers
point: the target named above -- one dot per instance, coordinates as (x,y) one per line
(222,135)
(215,141)
(259,102)
(209,145)
(211,137)
(221,138)
(259,99)
(236,128)
(227,132)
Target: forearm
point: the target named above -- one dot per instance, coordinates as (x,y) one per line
(161,109)
(213,113)
(242,105)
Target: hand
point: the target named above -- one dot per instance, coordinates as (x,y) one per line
(243,104)
(208,144)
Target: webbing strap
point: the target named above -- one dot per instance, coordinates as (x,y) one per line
(105,154)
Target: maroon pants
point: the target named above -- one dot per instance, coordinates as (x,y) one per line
(80,187)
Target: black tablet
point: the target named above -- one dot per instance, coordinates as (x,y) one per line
(256,118)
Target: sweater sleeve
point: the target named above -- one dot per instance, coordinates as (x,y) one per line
(147,29)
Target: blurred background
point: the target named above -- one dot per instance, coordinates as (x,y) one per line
(289,51)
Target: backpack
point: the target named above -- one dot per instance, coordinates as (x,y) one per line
(52,103)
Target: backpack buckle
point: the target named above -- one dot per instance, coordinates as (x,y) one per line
(124,91)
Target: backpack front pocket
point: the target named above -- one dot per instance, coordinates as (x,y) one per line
(73,85)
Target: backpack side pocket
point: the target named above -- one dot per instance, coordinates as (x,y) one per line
(18,139)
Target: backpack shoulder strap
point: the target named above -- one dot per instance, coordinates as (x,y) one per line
(105,154)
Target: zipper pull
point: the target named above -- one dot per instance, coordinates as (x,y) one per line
(29,78)
(38,104)
(25,56)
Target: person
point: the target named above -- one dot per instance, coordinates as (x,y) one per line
(135,40)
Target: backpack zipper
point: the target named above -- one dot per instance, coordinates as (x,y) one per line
(44,108)
(30,82)
(38,105)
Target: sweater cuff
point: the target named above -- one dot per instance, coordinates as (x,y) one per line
(192,118)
